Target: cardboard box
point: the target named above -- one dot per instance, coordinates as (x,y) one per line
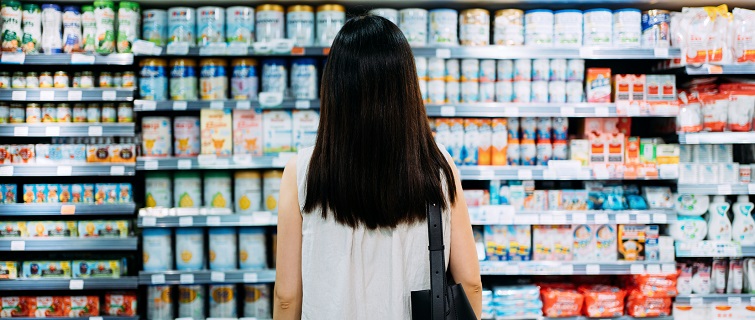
(631,244)
(654,87)
(668,87)
(598,85)
(102,228)
(277,126)
(622,87)
(615,148)
(96,269)
(598,148)
(305,128)
(632,149)
(8,270)
(216,132)
(499,141)
(46,269)
(247,132)
(51,228)
(579,150)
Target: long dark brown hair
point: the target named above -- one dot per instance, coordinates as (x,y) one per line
(375,162)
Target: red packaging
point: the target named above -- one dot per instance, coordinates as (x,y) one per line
(15,307)
(83,306)
(657,286)
(715,111)
(559,301)
(43,307)
(120,304)
(603,301)
(641,306)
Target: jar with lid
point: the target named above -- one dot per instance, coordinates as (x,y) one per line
(474,27)
(93,113)
(108,113)
(183,79)
(32,80)
(508,29)
(244,79)
(33,113)
(60,80)
(46,80)
(129,79)
(330,19)
(64,112)
(87,80)
(79,113)
(117,80)
(18,81)
(76,80)
(5,80)
(49,112)
(300,25)
(125,112)
(106,80)
(153,82)
(4,112)
(213,82)
(16,113)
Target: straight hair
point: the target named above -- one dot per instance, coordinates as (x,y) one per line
(375,162)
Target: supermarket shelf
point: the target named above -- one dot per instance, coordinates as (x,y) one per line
(713,249)
(537,173)
(716,189)
(241,52)
(88,169)
(586,318)
(87,318)
(57,209)
(121,283)
(505,215)
(698,299)
(525,52)
(501,109)
(67,94)
(68,244)
(717,138)
(122,59)
(574,268)
(725,69)
(211,162)
(257,219)
(149,105)
(207,276)
(68,130)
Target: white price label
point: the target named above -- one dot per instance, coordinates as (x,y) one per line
(12,58)
(180,105)
(151,165)
(734,301)
(74,95)
(53,131)
(96,318)
(95,131)
(585,52)
(186,279)
(117,170)
(262,217)
(724,189)
(601,111)
(559,219)
(696,301)
(64,170)
(567,111)
(302,104)
(148,105)
(246,220)
(6,171)
(18,95)
(108,95)
(217,276)
(17,245)
(447,111)
(579,218)
(510,111)
(76,284)
(660,218)
(660,52)
(158,278)
(601,173)
(243,105)
(78,58)
(637,269)
(217,105)
(566,269)
(178,48)
(549,174)
(250,277)
(184,164)
(668,268)
(546,219)
(149,221)
(213,221)
(207,159)
(691,138)
(143,47)
(242,158)
(185,221)
(524,174)
(526,219)
(511,269)
(654,269)
(443,53)
(47,95)
(487,174)
(602,218)
(592,269)
(20,131)
(622,218)
(643,218)
(751,188)
(270,99)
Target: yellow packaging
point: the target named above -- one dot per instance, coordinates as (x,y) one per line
(13,229)
(8,270)
(216,134)
(499,141)
(102,228)
(52,228)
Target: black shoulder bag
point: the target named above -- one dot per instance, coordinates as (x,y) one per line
(441,302)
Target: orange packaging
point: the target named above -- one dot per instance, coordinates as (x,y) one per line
(632,148)
(598,148)
(561,302)
(98,153)
(484,147)
(658,286)
(615,148)
(123,153)
(638,88)
(622,87)
(641,306)
(43,307)
(499,141)
(598,85)
(603,301)
(83,306)
(120,304)
(15,307)
(592,125)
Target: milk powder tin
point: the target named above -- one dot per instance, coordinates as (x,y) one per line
(574,91)
(540,69)
(390,14)
(304,78)
(189,247)
(252,249)
(470,70)
(156,136)
(269,22)
(330,19)
(257,301)
(436,91)
(470,91)
(153,82)
(557,91)
(158,190)
(182,25)
(191,301)
(453,92)
(436,69)
(157,249)
(544,152)
(222,248)
(213,82)
(274,75)
(155,26)
(487,70)
(655,29)
(240,25)
(183,79)
(567,29)
(505,70)
(544,128)
(421,64)
(247,191)
(538,27)
(223,301)
(423,89)
(453,70)
(598,24)
(522,69)
(575,69)
(443,23)
(210,25)
(487,91)
(271,189)
(509,27)
(217,190)
(244,79)
(528,127)
(522,91)
(159,302)
(504,91)
(558,69)
(187,192)
(300,25)
(474,27)
(627,27)
(413,23)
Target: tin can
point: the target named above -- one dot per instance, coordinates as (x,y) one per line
(423,89)
(522,91)
(436,69)
(247,191)
(129,80)
(560,128)
(117,80)
(210,25)
(487,91)
(538,28)
(106,80)
(330,19)
(4,114)
(18,81)
(474,27)
(240,25)
(453,70)
(128,25)
(217,194)
(109,114)
(557,91)
(274,75)
(183,79)
(304,78)
(528,127)
(157,248)
(575,69)
(655,29)
(413,23)
(182,25)
(453,92)
(187,134)
(513,154)
(191,300)
(222,245)
(63,112)
(257,301)
(443,27)
(598,24)
(505,70)
(105,36)
(88,29)
(77,80)
(156,136)
(159,303)
(32,28)
(244,80)
(528,153)
(544,152)
(271,185)
(32,80)
(159,193)
(72,41)
(45,80)
(11,31)
(49,112)
(252,249)
(567,29)
(544,128)
(189,241)
(93,113)
(627,27)
(223,300)
(33,113)
(388,13)
(155,26)
(504,91)
(60,80)
(300,25)
(87,80)
(270,23)
(421,64)
(487,70)
(541,69)
(436,91)
(470,70)
(153,84)
(522,69)
(16,113)
(558,69)
(560,150)
(508,27)
(470,91)
(5,80)
(79,112)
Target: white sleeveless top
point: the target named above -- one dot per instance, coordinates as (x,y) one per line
(356,273)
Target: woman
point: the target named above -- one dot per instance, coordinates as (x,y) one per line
(352,227)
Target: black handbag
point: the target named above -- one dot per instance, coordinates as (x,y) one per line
(441,302)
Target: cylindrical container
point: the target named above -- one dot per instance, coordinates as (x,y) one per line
(508,29)
(217,190)
(257,301)
(505,70)
(522,91)
(33,113)
(79,113)
(655,29)
(453,70)
(128,80)
(539,91)
(87,80)
(528,153)
(104,16)
(153,83)
(32,28)
(423,89)
(11,32)
(413,23)
(453,92)
(627,27)
(558,69)
(443,31)
(158,190)
(474,27)
(560,150)
(421,64)
(128,25)
(504,91)
(300,25)
(189,247)
(46,80)
(522,69)
(187,138)
(598,24)
(89,29)
(32,80)
(106,80)
(541,69)
(157,248)
(93,113)
(222,248)
(544,152)
(436,69)
(390,14)
(240,25)
(125,112)
(191,301)
(487,71)
(470,91)
(4,112)
(544,128)
(156,136)
(575,70)
(223,301)
(513,153)
(560,128)
(76,80)
(436,91)
(49,112)
(252,249)
(470,70)
(182,25)
(270,22)
(183,79)
(5,80)
(538,27)
(213,82)
(330,19)
(52,20)
(274,75)
(304,78)
(244,79)
(60,80)
(271,189)
(108,113)
(187,189)
(557,91)
(210,25)
(16,113)
(155,26)
(159,302)
(63,112)
(487,91)
(567,28)
(248,191)
(18,81)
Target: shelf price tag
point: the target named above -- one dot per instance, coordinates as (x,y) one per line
(17,245)
(622,218)
(117,170)
(52,131)
(187,278)
(443,53)
(559,219)
(526,219)
(601,218)
(148,105)
(108,95)
(601,111)
(637,269)
(149,221)
(696,301)
(18,95)
(592,269)
(250,277)
(74,95)
(151,165)
(512,269)
(723,189)
(185,221)
(262,217)
(20,131)
(567,111)
(511,111)
(217,105)
(95,131)
(143,47)
(243,105)
(566,269)
(158,278)
(76,284)
(713,69)
(96,318)
(447,111)
(734,301)
(213,221)
(6,171)
(246,220)
(67,209)
(546,219)
(654,269)
(752,301)
(78,58)
(668,268)
(524,174)
(47,95)
(242,158)
(184,164)
(64,170)
(660,52)
(302,104)
(660,218)
(207,159)
(180,105)
(643,218)
(751,188)
(216,276)
(12,58)
(178,48)
(579,218)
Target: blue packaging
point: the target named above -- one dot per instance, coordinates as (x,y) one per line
(223,252)
(190,249)
(157,248)
(155,26)
(8,193)
(252,249)
(304,78)
(274,75)
(153,81)
(244,80)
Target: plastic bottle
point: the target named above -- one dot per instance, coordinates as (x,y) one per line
(52,20)
(743,228)
(89,27)
(719,226)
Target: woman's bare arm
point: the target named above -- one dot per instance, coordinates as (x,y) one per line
(288,291)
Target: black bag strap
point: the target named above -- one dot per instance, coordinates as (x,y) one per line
(437,262)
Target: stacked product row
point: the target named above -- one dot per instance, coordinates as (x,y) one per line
(708,106)
(186,190)
(60,80)
(66,229)
(96,150)
(713,164)
(86,193)
(728,35)
(222,301)
(230,132)
(76,269)
(66,113)
(733,276)
(717,225)
(122,304)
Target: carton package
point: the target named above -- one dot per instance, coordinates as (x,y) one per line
(598,85)
(278,128)
(305,128)
(216,132)
(247,132)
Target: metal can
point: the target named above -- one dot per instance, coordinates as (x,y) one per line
(655,29)
(45,80)
(16,113)
(155,26)
(504,91)
(106,80)
(522,69)
(300,25)
(222,241)
(522,91)
(558,69)
(443,27)
(557,91)
(304,78)
(76,80)
(125,112)
(79,113)
(158,192)
(186,140)
(508,29)
(436,91)
(87,80)
(257,301)
(18,81)
(544,152)
(470,91)
(330,19)
(539,91)
(274,75)
(252,249)
(244,79)
(128,25)
(129,79)
(474,27)
(271,185)
(387,13)
(598,24)
(191,300)
(160,302)
(270,22)
(93,113)
(627,27)
(470,70)
(453,92)
(183,79)
(182,25)
(453,70)
(248,192)
(156,137)
(574,91)
(189,241)
(541,69)
(223,300)
(240,25)
(210,25)
(567,29)
(421,65)
(117,80)
(436,69)
(538,27)
(33,113)
(487,70)
(505,70)
(63,112)
(413,23)
(213,82)
(109,114)
(487,91)
(60,80)
(5,80)
(32,80)
(49,112)
(575,69)
(153,84)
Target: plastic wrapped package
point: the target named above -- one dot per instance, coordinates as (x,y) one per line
(689,118)
(603,301)
(561,300)
(712,24)
(715,111)
(741,110)
(641,306)
(657,286)
(743,28)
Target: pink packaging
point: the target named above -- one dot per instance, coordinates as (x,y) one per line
(186,135)
(247,132)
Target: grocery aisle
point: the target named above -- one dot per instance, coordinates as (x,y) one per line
(606,153)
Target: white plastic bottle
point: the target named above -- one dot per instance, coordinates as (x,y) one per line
(719,226)
(743,228)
